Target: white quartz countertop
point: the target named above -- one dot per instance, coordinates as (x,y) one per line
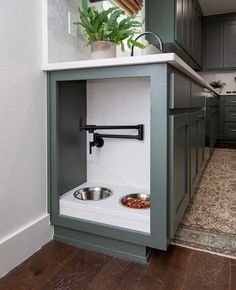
(170,58)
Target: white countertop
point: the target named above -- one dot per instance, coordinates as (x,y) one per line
(170,58)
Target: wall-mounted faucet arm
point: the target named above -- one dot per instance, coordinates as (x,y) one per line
(98,138)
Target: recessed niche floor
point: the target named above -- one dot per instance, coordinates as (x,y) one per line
(107,211)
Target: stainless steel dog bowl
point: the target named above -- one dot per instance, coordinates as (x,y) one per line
(137,199)
(93,193)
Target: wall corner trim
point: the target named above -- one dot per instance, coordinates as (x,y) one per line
(21,244)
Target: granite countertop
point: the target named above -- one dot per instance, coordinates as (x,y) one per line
(170,58)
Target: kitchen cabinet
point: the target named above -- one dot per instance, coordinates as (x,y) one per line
(220,45)
(201,140)
(180,97)
(229,44)
(187,143)
(213,46)
(179,168)
(173,98)
(227,120)
(212,121)
(188,31)
(179,24)
(197,147)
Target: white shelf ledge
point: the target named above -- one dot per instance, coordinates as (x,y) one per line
(107,211)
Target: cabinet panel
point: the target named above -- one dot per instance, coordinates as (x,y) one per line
(230,130)
(230,101)
(197,96)
(230,44)
(199,40)
(197,145)
(179,21)
(179,176)
(213,46)
(173,21)
(201,140)
(186,16)
(230,114)
(195,31)
(180,92)
(214,126)
(72,141)
(193,152)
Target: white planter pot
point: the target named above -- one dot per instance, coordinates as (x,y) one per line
(218,90)
(103,49)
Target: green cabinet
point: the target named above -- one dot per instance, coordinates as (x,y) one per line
(173,98)
(220,44)
(179,168)
(213,46)
(197,147)
(201,140)
(187,143)
(179,24)
(227,119)
(193,152)
(230,44)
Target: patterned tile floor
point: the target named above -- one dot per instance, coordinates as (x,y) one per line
(209,222)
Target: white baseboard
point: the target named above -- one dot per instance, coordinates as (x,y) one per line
(20,245)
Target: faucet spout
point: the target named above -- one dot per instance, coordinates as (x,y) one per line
(148,33)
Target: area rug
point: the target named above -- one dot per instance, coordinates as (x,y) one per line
(209,223)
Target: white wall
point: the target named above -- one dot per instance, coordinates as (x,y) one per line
(61,45)
(225,77)
(124,101)
(22,133)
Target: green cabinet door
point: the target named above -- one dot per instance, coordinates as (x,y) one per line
(179,22)
(201,141)
(230,44)
(178,27)
(220,44)
(179,169)
(213,46)
(193,152)
(197,147)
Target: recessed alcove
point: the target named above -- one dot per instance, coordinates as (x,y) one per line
(123,165)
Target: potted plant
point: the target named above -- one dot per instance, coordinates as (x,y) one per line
(217,85)
(105,29)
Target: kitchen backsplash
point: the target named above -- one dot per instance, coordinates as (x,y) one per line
(225,77)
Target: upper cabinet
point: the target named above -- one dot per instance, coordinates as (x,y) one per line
(220,44)
(179,24)
(229,29)
(213,46)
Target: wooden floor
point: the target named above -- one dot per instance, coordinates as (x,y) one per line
(63,267)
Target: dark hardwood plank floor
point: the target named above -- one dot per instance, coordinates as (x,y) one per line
(59,266)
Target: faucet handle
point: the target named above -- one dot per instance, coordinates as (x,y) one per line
(97,141)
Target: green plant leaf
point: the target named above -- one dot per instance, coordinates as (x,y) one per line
(137,44)
(106,25)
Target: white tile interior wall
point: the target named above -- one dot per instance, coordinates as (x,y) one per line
(226,77)
(120,102)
